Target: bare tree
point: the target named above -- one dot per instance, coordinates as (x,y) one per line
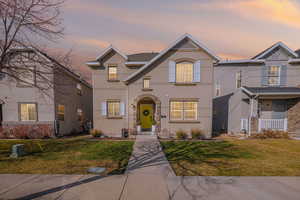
(24,26)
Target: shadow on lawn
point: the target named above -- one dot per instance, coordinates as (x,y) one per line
(215,155)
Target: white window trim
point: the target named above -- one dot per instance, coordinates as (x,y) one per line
(238,76)
(183,110)
(20,111)
(279,75)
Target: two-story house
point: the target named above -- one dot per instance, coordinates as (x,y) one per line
(260,93)
(62,108)
(159,92)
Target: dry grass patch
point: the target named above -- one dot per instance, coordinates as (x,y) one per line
(65,156)
(232,157)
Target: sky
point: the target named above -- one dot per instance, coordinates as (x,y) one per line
(233,29)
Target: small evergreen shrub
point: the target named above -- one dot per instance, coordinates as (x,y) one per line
(271,134)
(197,134)
(96,133)
(181,135)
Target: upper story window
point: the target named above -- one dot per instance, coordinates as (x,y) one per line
(218,89)
(26,77)
(146,83)
(79,89)
(28,112)
(184,72)
(112,73)
(274,75)
(238,79)
(61,112)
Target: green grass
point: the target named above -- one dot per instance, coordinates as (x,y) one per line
(277,157)
(65,156)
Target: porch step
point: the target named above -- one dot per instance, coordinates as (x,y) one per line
(145,133)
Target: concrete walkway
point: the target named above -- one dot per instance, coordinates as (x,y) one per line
(148,177)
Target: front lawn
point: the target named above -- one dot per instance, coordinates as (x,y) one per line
(65,156)
(232,157)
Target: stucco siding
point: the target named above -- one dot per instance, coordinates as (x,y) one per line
(66,94)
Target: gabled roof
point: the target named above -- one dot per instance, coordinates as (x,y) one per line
(141,57)
(69,71)
(188,36)
(108,50)
(271,90)
(298,52)
(270,49)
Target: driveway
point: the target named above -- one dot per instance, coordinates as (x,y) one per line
(148,176)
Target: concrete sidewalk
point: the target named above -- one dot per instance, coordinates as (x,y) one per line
(148,177)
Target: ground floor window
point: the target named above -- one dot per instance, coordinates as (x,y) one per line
(61,112)
(183,110)
(28,112)
(113,108)
(80,114)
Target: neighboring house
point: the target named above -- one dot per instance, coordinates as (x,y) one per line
(260,93)
(163,92)
(61,109)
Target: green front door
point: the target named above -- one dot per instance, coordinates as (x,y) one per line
(146,115)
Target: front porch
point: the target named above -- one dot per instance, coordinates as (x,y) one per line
(273,108)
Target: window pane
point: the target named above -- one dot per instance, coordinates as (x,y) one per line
(26,76)
(28,112)
(184,72)
(176,110)
(190,110)
(61,112)
(113,109)
(112,73)
(273,81)
(146,83)
(274,71)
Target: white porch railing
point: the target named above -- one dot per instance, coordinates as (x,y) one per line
(272,124)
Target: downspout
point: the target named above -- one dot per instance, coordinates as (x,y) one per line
(127,113)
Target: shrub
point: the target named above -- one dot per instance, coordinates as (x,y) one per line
(181,135)
(96,133)
(197,134)
(40,131)
(271,134)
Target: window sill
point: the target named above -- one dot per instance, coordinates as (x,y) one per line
(113,80)
(147,89)
(184,121)
(119,117)
(185,84)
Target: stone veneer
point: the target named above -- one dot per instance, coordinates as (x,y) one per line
(254,125)
(293,115)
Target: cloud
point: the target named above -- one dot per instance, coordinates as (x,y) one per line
(286,12)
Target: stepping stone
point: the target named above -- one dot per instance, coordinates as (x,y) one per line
(96,170)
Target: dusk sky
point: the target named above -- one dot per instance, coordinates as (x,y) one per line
(234,29)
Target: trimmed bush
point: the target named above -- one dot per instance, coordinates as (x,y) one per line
(271,134)
(96,133)
(39,131)
(197,134)
(181,135)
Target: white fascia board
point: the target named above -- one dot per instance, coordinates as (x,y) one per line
(135,63)
(240,61)
(281,44)
(294,61)
(167,49)
(108,49)
(93,63)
